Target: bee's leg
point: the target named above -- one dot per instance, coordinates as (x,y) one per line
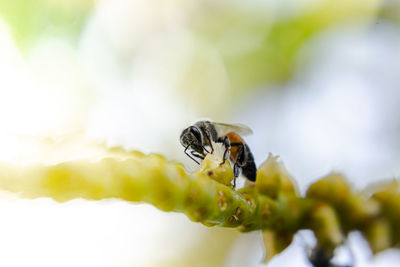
(239,161)
(235,173)
(205,149)
(240,153)
(227,145)
(189,155)
(209,141)
(196,154)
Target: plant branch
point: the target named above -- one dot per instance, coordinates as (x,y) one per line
(330,208)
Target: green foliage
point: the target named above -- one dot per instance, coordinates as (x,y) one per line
(31,19)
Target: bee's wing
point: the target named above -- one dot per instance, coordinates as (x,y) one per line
(224,128)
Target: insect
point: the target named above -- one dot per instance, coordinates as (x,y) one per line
(198,139)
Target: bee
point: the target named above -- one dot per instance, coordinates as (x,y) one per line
(198,137)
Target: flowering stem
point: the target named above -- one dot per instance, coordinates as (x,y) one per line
(330,208)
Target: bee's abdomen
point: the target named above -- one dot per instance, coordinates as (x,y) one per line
(249,170)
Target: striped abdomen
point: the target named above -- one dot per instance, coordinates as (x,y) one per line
(241,155)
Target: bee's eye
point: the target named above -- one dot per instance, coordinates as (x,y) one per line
(195,132)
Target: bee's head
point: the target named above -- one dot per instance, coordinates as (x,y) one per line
(191,137)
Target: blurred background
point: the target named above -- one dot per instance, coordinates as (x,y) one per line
(316,80)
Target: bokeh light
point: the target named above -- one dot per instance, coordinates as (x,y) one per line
(316,80)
